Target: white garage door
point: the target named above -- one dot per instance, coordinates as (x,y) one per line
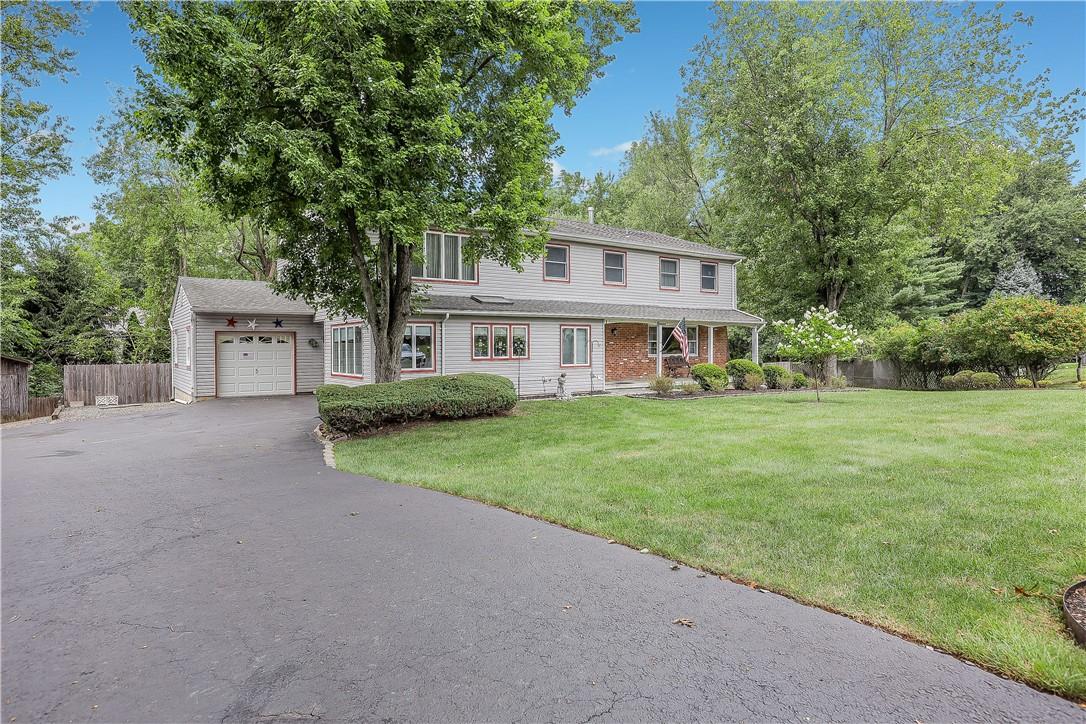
(255,364)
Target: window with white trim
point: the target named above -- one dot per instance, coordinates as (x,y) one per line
(417,350)
(443,259)
(556,263)
(614,268)
(709,275)
(347,350)
(671,345)
(499,341)
(575,347)
(669,273)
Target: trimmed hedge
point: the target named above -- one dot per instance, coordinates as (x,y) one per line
(738,369)
(777,377)
(711,377)
(354,410)
(799,381)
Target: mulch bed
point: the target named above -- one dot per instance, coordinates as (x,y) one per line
(1074,610)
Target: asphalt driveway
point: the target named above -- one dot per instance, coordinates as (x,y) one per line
(201,563)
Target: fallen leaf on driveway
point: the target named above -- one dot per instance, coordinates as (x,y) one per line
(644,550)
(354,512)
(610,540)
(240,541)
(684,622)
(701,575)
(567,607)
(674,566)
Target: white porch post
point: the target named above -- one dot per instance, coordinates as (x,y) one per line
(659,352)
(754,345)
(712,333)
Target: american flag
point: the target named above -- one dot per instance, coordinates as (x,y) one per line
(679,333)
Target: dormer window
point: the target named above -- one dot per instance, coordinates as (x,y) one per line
(443,260)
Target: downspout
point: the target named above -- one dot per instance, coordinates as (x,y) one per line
(446,319)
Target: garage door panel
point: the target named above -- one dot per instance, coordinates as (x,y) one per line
(254,364)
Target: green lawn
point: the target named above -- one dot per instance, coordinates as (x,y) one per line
(1064,376)
(921,512)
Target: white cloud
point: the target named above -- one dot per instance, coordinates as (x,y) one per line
(613,150)
(556,168)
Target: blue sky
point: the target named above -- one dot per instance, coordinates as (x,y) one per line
(644,77)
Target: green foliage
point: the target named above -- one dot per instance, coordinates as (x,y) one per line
(838,382)
(327,121)
(1009,333)
(661,384)
(777,377)
(1036,225)
(959,381)
(709,376)
(986,381)
(753,381)
(1023,382)
(45,379)
(33,140)
(930,288)
(738,369)
(355,410)
(690,388)
(571,194)
(799,380)
(849,134)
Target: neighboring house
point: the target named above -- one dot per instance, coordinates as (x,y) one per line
(593,308)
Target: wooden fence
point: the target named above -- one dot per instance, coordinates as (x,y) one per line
(42,406)
(130,383)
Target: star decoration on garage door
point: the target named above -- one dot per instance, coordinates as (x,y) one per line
(231,322)
(278,322)
(252,324)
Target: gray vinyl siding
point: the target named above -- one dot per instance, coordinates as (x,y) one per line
(536,375)
(309,360)
(586,280)
(182,322)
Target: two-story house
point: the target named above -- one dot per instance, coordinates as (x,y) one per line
(598,307)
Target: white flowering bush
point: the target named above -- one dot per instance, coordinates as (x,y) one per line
(816,338)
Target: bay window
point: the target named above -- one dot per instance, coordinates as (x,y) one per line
(347,350)
(575,350)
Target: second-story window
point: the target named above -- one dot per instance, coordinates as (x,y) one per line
(709,276)
(443,259)
(614,268)
(669,273)
(556,263)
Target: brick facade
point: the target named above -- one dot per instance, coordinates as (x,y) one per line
(626,350)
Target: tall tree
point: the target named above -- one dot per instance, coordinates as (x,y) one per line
(1039,219)
(667,183)
(849,132)
(350,128)
(931,288)
(571,195)
(33,140)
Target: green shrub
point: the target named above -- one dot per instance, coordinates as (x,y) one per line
(838,382)
(710,376)
(661,385)
(985,381)
(1082,385)
(961,381)
(690,388)
(738,369)
(799,381)
(753,381)
(1023,382)
(45,379)
(777,377)
(354,410)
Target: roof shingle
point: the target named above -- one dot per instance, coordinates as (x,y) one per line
(586,310)
(238,295)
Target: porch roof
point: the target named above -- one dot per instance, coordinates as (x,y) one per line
(564,309)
